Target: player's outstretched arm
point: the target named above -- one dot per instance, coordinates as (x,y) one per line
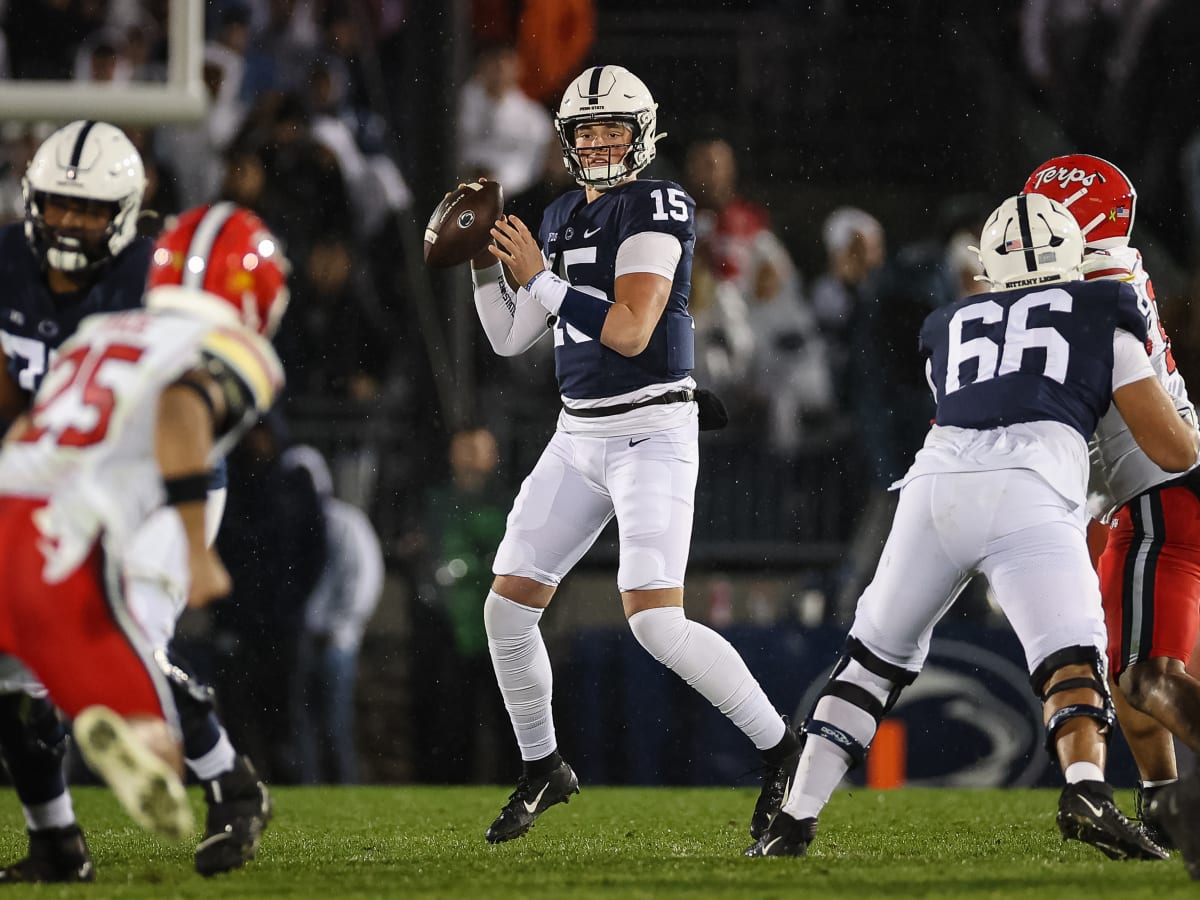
(1170,440)
(183,440)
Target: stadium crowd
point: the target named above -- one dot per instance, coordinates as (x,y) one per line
(808,291)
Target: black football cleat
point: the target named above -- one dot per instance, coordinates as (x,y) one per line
(1087,813)
(777,781)
(785,836)
(56,856)
(530,800)
(1151,826)
(239,808)
(1176,807)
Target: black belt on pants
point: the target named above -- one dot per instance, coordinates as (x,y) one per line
(687,395)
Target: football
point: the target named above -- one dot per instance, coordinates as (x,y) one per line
(461,225)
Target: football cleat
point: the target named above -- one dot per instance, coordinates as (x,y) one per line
(785,836)
(1150,824)
(149,789)
(530,799)
(1177,808)
(777,781)
(1087,813)
(56,856)
(239,808)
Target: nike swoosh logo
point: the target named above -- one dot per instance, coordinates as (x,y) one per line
(769,844)
(1096,810)
(532,807)
(633,443)
(587,234)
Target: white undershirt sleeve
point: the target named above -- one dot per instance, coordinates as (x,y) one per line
(1130,361)
(655,252)
(512,321)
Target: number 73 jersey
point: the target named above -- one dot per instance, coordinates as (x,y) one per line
(1029,355)
(89,446)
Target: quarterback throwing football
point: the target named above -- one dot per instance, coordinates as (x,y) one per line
(610,280)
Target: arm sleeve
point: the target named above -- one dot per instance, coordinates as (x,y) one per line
(512,322)
(1130,362)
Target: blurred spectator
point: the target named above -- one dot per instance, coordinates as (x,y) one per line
(20,142)
(377,189)
(335,619)
(330,342)
(502,134)
(764,334)
(272,540)
(102,59)
(197,149)
(453,547)
(43,37)
(854,251)
(161,198)
(888,396)
(554,39)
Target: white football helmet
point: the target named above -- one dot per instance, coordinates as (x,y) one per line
(607,94)
(84,160)
(1030,240)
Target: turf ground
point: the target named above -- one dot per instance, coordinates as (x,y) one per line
(626,843)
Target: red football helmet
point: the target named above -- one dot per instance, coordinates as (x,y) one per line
(222,263)
(1097,193)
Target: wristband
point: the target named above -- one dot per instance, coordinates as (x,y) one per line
(187,488)
(575,307)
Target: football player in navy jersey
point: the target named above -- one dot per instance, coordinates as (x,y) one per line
(1021,377)
(611,281)
(78,253)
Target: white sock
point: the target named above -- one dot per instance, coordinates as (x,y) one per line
(1148,785)
(1083,771)
(708,662)
(56,813)
(216,762)
(523,673)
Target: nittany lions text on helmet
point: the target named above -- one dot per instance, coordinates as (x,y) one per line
(607,94)
(1099,195)
(221,262)
(1030,240)
(92,162)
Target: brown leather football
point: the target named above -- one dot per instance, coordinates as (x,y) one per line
(461,225)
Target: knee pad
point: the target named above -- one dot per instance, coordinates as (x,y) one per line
(30,727)
(506,620)
(894,678)
(660,631)
(1105,714)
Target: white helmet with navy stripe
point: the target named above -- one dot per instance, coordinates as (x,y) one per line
(1030,240)
(84,161)
(607,94)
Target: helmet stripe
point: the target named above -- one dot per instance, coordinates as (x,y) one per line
(1026,233)
(202,243)
(594,86)
(80,140)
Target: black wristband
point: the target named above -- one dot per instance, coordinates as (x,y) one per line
(187,488)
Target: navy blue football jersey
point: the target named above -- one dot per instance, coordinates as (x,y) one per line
(1034,354)
(33,322)
(581,240)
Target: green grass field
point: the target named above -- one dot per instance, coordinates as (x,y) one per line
(625,843)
